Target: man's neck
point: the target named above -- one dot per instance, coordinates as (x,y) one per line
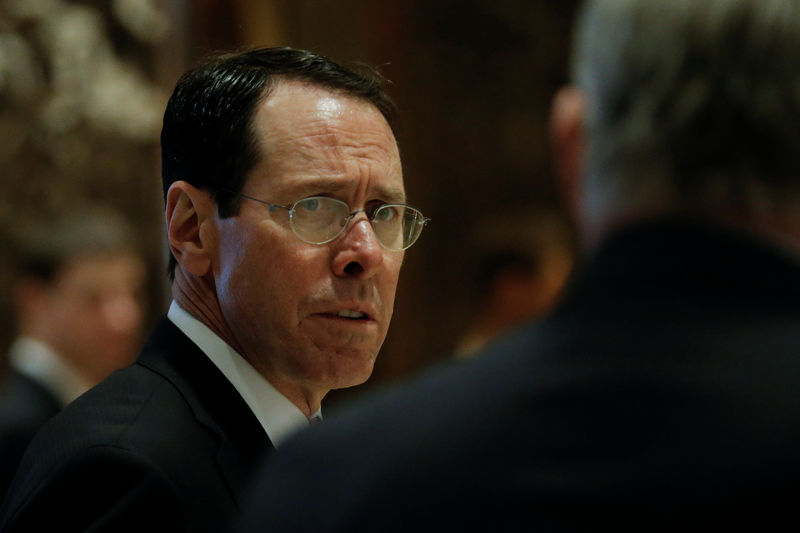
(208,311)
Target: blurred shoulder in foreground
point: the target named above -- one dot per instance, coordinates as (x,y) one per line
(660,394)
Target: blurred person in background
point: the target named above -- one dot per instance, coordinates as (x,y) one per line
(78,315)
(520,264)
(287,226)
(661,393)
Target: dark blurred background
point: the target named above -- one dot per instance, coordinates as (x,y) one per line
(83,85)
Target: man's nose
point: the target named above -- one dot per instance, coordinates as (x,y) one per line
(357,251)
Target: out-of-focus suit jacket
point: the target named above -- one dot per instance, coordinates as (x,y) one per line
(663,393)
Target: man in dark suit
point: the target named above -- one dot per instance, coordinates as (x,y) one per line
(667,378)
(77,316)
(286,221)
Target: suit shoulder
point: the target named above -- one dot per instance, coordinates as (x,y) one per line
(100,486)
(133,436)
(134,409)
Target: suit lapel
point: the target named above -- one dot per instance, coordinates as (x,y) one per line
(215,402)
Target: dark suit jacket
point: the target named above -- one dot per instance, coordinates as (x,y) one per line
(166,444)
(664,393)
(25,406)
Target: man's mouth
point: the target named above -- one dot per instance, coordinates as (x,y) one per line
(349,313)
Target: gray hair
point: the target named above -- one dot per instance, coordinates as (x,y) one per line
(692,103)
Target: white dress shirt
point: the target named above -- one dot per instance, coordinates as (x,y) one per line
(278,416)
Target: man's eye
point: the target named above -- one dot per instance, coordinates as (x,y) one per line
(309,204)
(386,213)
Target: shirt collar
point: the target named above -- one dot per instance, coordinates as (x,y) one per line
(277,414)
(38,361)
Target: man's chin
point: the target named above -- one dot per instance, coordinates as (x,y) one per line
(347,370)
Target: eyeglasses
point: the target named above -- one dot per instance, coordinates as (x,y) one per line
(320,219)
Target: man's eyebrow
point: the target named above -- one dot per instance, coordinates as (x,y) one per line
(315,185)
(395,196)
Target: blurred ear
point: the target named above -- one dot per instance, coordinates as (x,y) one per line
(567,133)
(190,227)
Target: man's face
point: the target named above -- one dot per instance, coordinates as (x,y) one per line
(282,298)
(93,312)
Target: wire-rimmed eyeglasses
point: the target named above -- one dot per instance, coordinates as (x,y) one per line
(320,219)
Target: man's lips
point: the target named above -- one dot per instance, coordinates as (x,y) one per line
(350,312)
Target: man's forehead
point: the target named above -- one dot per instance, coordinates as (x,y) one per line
(303,100)
(328,106)
(318,140)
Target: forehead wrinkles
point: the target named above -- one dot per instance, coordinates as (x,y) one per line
(303,122)
(331,138)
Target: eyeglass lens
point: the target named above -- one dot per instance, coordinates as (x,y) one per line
(320,219)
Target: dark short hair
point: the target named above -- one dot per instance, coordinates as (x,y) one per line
(45,245)
(207,138)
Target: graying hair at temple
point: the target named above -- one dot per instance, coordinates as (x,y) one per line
(693,103)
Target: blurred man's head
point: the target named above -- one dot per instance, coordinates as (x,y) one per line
(78,289)
(519,264)
(687,106)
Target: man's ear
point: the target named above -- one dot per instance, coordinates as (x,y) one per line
(190,227)
(567,134)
